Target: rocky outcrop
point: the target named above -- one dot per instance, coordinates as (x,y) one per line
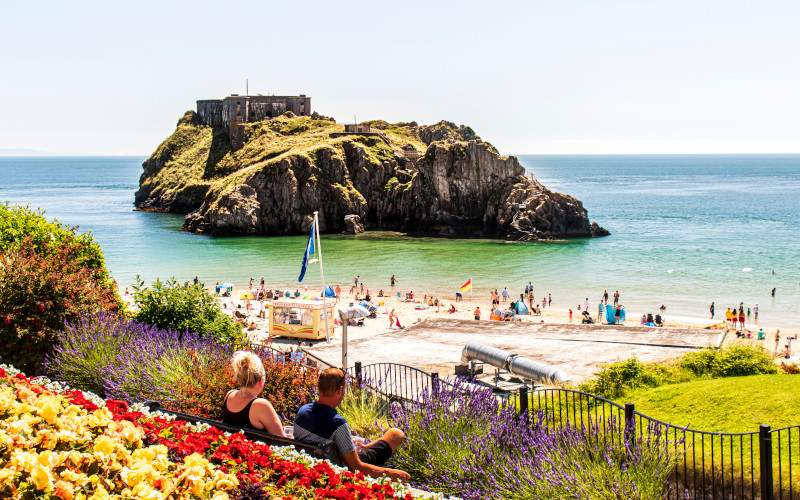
(290,167)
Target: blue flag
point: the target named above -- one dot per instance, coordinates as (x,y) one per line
(309,251)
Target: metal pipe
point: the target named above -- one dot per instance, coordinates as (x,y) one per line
(513,363)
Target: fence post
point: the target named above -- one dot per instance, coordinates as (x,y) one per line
(765,456)
(630,425)
(358,373)
(523,399)
(434,382)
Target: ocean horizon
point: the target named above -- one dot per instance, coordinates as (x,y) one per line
(685,230)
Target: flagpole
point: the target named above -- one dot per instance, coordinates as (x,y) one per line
(322,275)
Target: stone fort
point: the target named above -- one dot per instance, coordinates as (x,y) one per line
(236,109)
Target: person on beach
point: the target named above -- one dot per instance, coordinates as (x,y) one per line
(355,281)
(618,314)
(318,423)
(741,317)
(728,317)
(262,282)
(605,296)
(773,292)
(616,297)
(549,299)
(505,294)
(662,308)
(755,311)
(570,315)
(477,313)
(586,304)
(711,310)
(338,293)
(452,309)
(600,311)
(393,280)
(777,340)
(391,319)
(196,280)
(734,319)
(761,334)
(242,407)
(459,297)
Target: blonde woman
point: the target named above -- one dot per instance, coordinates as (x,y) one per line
(242,407)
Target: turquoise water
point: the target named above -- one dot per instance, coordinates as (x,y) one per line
(683,229)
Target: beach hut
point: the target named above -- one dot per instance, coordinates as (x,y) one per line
(301,319)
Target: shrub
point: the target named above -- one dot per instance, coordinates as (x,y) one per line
(288,386)
(743,359)
(699,362)
(18,223)
(43,284)
(365,412)
(124,359)
(176,307)
(790,368)
(188,372)
(615,379)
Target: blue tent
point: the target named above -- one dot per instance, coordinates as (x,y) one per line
(521,307)
(329,292)
(611,314)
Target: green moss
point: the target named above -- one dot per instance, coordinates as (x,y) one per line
(390,184)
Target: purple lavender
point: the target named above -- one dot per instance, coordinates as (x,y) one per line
(123,359)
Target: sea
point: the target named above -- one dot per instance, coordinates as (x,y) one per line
(686,230)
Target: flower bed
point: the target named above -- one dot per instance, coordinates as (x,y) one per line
(70,444)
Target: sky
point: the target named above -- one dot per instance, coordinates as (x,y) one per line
(532,77)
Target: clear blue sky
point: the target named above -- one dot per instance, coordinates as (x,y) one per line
(531,77)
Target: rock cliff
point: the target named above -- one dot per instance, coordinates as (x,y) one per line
(438,179)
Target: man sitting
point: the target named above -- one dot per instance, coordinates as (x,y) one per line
(318,423)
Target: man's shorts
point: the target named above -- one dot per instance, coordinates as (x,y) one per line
(377,454)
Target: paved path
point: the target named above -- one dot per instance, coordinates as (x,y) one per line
(434,345)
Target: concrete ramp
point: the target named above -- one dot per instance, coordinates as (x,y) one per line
(434,345)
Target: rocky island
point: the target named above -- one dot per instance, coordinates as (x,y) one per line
(267,178)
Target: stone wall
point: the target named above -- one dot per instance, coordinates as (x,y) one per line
(244,109)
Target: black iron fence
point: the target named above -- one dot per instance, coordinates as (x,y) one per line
(764,463)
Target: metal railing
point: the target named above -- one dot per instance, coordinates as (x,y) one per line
(761,464)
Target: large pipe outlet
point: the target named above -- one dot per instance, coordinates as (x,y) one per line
(513,363)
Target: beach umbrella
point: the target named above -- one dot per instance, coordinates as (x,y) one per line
(246,295)
(226,285)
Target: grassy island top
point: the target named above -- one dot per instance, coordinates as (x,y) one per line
(198,158)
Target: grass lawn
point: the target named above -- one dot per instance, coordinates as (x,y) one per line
(733,404)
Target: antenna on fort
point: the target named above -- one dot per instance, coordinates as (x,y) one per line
(247,86)
(354,120)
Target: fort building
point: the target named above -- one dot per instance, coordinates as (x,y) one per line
(236,109)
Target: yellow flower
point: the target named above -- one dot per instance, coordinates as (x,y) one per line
(220,495)
(104,444)
(228,482)
(6,475)
(64,490)
(196,484)
(195,460)
(100,418)
(131,433)
(100,493)
(47,458)
(147,454)
(49,408)
(41,478)
(133,477)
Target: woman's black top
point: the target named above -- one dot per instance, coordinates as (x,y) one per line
(237,418)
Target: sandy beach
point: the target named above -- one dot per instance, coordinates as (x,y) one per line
(409,314)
